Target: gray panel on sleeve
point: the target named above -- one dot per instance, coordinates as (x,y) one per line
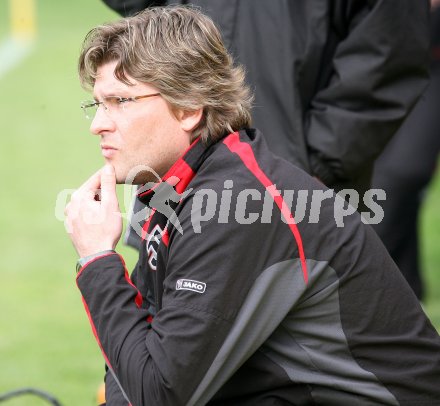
(299,327)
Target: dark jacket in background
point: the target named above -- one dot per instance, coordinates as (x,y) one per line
(333,79)
(405,169)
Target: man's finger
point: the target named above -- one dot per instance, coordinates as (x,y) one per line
(108,185)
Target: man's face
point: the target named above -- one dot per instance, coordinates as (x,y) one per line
(142,133)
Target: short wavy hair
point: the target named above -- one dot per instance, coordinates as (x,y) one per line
(178,50)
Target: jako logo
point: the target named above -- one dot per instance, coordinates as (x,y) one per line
(187,284)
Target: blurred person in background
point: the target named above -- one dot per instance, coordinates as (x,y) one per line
(405,169)
(333,80)
(224,308)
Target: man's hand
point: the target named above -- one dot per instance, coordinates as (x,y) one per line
(95,224)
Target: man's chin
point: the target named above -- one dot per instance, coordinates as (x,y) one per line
(138,178)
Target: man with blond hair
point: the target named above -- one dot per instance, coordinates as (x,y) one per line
(255,284)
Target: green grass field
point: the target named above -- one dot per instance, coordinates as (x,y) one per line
(45,147)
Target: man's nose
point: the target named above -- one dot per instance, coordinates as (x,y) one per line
(101,122)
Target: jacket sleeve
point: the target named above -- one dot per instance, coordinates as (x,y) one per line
(216,310)
(113,393)
(378,71)
(155,363)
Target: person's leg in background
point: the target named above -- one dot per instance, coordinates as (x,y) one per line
(404,171)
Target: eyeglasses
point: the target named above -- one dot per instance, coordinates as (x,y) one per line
(111,104)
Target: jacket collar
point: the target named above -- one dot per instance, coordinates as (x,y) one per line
(180,174)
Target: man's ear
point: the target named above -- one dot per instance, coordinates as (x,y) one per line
(189,119)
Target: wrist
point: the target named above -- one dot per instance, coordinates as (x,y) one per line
(83,260)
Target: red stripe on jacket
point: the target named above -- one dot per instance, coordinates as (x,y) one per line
(138,300)
(246,154)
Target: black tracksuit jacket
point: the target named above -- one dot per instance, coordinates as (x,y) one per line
(233,302)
